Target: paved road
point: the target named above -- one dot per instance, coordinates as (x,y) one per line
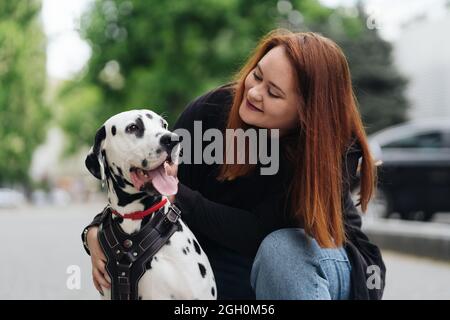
(39,244)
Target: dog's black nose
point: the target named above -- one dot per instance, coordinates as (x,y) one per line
(170,140)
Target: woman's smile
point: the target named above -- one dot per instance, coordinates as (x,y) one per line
(252,107)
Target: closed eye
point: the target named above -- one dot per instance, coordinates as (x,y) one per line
(258,78)
(164,124)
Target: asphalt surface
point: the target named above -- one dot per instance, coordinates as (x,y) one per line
(42,258)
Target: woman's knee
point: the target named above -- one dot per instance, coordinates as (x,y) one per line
(288,265)
(284,258)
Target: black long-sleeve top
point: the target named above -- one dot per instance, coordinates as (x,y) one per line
(231,218)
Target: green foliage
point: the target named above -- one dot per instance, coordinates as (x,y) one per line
(22,83)
(378,86)
(159,55)
(162,54)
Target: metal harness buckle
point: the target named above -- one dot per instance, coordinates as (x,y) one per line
(173,214)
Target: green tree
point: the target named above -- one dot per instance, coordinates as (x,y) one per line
(158,54)
(162,54)
(378,86)
(22,83)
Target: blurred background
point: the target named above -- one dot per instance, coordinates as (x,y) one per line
(67,65)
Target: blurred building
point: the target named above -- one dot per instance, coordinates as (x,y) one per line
(65,176)
(422,54)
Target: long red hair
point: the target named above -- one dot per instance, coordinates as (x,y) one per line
(329,120)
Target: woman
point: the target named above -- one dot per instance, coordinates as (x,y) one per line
(295,234)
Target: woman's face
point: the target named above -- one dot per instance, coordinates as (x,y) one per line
(270,98)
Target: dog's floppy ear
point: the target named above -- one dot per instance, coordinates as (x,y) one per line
(94,161)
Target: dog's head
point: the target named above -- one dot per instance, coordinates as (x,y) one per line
(133,149)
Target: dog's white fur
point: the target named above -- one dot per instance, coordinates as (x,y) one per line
(181,269)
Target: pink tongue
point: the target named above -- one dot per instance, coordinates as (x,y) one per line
(165,184)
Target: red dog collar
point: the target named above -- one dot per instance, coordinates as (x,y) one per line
(138,215)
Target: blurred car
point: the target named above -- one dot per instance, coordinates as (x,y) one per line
(414,177)
(10,198)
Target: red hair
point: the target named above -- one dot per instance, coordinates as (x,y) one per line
(328,119)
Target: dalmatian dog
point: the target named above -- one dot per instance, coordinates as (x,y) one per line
(133,154)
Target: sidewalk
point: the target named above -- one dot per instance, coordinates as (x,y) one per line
(39,244)
(412,278)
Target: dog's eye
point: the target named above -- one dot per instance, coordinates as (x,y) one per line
(164,124)
(131,128)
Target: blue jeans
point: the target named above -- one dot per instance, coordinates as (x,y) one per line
(290,265)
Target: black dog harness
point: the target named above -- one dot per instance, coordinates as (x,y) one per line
(127,254)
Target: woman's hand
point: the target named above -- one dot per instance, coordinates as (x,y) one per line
(99,275)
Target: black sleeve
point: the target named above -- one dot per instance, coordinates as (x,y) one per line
(209,109)
(234,228)
(94,223)
(190,174)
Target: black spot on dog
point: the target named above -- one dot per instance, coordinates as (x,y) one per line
(149,201)
(91,162)
(148,265)
(168,242)
(149,116)
(144,163)
(187,249)
(113,130)
(189,241)
(99,137)
(158,151)
(202,269)
(156,258)
(128,183)
(184,251)
(125,198)
(119,180)
(197,247)
(141,128)
(213,292)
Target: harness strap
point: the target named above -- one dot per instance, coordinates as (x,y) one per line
(127,254)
